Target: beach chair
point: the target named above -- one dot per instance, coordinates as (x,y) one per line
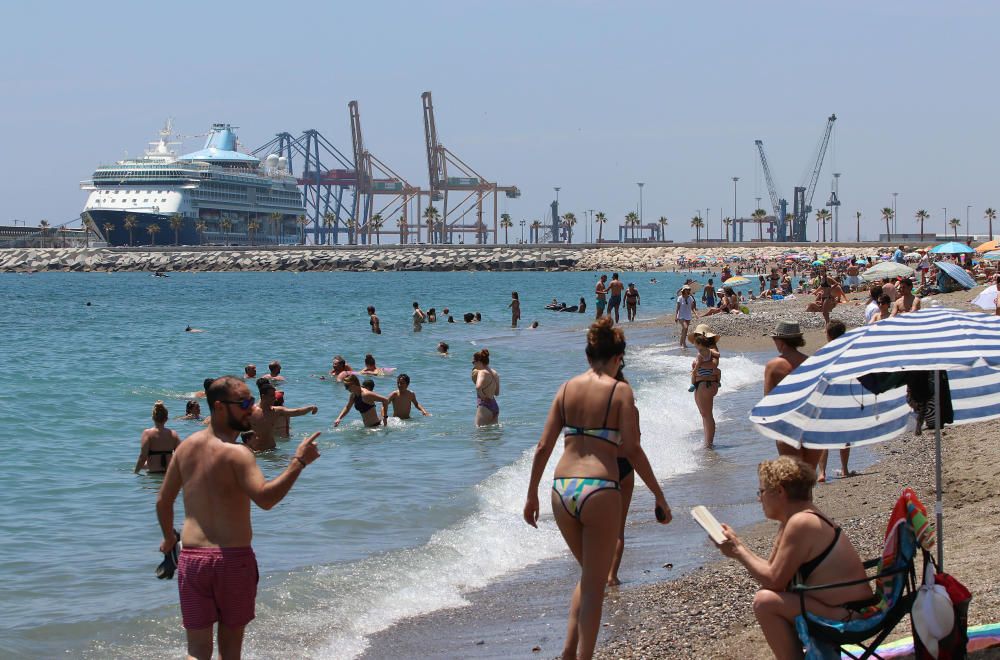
(895,588)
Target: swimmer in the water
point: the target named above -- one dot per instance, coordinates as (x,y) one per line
(487,382)
(373,320)
(250,372)
(341,369)
(204,388)
(192,410)
(515,309)
(158,443)
(370,368)
(403,398)
(274,367)
(442,348)
(265,415)
(363,400)
(534,325)
(187,329)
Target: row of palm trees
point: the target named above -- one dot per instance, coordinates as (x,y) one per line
(922,216)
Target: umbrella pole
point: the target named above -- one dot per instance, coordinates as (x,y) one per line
(938,506)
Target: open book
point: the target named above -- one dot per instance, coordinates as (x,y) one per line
(708,522)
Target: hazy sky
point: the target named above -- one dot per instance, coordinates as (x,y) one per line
(589,96)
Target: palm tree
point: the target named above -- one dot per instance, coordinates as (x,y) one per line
(600,218)
(108,228)
(403,230)
(43,226)
(152,229)
(328,219)
(990,215)
(569,220)
(88,226)
(631,220)
(376,222)
(200,227)
(697,223)
(954,223)
(727,222)
(129,224)
(921,216)
(176,222)
(226,226)
(506,223)
(302,221)
(823,216)
(857,215)
(663,227)
(887,217)
(275,219)
(537,226)
(431,215)
(351,225)
(252,228)
(758,217)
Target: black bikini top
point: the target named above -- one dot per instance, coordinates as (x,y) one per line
(806,569)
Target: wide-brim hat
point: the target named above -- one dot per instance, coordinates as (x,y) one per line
(787,330)
(702,330)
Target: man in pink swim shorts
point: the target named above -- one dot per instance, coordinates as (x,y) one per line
(217,571)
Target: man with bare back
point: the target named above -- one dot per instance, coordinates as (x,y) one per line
(266,415)
(788,340)
(217,571)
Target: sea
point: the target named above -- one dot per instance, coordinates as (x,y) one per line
(389,523)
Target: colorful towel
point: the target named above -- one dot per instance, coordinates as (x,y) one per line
(981,637)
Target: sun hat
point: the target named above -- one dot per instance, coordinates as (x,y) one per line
(686,287)
(702,330)
(787,330)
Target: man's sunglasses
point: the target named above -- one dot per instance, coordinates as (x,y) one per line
(244,404)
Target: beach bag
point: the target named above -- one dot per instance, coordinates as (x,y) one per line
(952,645)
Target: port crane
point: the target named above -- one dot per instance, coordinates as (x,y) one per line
(803,194)
(443,166)
(375,178)
(323,188)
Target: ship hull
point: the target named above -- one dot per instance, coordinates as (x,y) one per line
(118,236)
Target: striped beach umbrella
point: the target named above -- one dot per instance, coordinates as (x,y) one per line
(957,273)
(992,256)
(738,280)
(824,405)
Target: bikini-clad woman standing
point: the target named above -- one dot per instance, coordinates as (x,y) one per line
(706,377)
(487,382)
(596,415)
(158,443)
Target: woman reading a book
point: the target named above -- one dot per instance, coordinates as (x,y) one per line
(596,415)
(809,549)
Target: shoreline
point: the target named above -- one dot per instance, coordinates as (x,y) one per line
(622,257)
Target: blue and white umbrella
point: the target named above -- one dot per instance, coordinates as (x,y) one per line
(822,404)
(957,273)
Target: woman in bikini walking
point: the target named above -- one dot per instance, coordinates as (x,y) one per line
(487,382)
(364,402)
(595,413)
(706,377)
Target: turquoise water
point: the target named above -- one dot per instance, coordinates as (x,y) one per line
(388,523)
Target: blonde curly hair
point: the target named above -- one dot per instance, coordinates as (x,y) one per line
(794,475)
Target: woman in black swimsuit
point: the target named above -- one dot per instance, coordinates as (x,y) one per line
(158,443)
(364,402)
(809,549)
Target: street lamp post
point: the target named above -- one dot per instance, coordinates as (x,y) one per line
(945,209)
(968,230)
(555,220)
(895,227)
(640,184)
(522,230)
(735,179)
(708,218)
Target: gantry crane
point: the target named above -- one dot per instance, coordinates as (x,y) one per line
(803,194)
(470,182)
(322,188)
(377,178)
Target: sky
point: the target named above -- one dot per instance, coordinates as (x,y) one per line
(592,97)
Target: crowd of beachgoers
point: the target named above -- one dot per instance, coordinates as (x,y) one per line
(595,417)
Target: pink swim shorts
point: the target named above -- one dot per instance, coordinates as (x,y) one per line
(217,584)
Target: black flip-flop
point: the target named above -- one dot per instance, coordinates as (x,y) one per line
(165,571)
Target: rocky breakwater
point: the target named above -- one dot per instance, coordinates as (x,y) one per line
(427,258)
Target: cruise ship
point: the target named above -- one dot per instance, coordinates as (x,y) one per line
(215,196)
